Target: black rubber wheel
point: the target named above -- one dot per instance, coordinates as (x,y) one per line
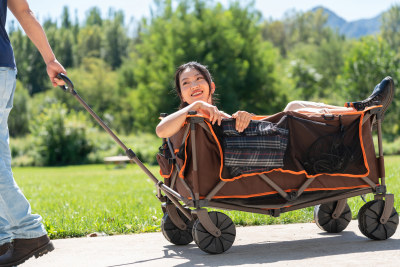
(323,217)
(369,221)
(211,244)
(175,235)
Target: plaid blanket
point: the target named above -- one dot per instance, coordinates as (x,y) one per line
(274,142)
(255,128)
(260,147)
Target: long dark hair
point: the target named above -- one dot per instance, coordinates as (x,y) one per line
(192,65)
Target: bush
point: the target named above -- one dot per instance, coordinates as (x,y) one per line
(391,148)
(145,146)
(22,151)
(25,153)
(60,138)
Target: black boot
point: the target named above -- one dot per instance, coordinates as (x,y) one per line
(382,95)
(22,249)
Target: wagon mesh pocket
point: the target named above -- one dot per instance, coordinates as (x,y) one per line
(260,147)
(331,154)
(163,158)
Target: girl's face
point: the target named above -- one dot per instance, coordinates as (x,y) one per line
(194,87)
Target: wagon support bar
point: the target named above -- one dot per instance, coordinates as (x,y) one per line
(276,209)
(171,194)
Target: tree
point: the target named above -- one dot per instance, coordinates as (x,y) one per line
(328,60)
(367,63)
(98,85)
(317,67)
(29,60)
(274,31)
(65,47)
(390,27)
(93,17)
(306,79)
(65,20)
(62,43)
(297,28)
(115,40)
(89,43)
(228,40)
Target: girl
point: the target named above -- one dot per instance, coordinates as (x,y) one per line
(195,88)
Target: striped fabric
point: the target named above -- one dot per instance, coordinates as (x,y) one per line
(277,142)
(253,158)
(255,128)
(260,147)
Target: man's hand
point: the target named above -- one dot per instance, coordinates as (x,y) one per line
(53,69)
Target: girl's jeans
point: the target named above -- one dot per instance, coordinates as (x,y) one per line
(16,220)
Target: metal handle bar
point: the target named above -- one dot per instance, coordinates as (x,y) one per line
(69,87)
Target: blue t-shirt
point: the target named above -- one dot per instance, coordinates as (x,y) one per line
(6,51)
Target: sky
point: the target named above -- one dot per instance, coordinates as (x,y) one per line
(350,10)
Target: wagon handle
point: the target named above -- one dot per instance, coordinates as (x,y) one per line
(132,156)
(69,86)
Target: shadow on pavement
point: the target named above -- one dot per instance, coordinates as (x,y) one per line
(274,252)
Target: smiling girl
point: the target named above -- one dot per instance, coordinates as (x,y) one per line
(195,89)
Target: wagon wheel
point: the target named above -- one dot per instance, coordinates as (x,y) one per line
(369,221)
(209,243)
(175,235)
(323,217)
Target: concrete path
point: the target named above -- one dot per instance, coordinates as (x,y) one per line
(274,245)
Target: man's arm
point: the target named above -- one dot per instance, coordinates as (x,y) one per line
(35,32)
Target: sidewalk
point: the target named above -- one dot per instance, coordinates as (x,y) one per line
(275,245)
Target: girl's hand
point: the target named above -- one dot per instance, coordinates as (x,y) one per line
(242,120)
(214,114)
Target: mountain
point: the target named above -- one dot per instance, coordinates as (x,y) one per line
(352,29)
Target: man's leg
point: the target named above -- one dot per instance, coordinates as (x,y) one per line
(16,221)
(15,211)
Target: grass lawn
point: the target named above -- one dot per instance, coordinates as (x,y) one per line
(78,200)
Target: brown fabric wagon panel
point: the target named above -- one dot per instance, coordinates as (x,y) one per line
(293,174)
(321,145)
(254,186)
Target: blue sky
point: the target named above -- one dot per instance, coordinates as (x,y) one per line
(348,9)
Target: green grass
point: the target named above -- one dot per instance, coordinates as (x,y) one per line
(78,200)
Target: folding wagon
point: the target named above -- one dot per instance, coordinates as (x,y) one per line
(280,163)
